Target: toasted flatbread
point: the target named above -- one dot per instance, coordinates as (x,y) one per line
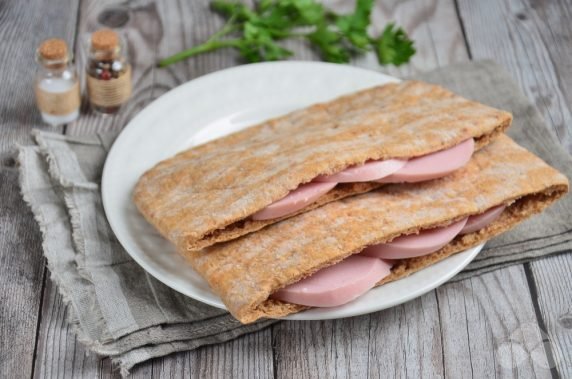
(208,193)
(246,271)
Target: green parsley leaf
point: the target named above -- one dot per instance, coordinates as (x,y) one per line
(329,45)
(309,12)
(258,45)
(232,9)
(393,46)
(354,25)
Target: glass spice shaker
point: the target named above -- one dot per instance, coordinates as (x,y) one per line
(108,72)
(56,85)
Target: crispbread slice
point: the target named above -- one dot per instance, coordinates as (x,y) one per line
(207,194)
(246,271)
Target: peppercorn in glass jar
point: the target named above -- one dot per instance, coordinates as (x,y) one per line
(108,72)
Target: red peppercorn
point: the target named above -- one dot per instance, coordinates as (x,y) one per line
(105,75)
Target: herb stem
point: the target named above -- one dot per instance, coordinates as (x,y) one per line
(202,48)
(296,35)
(228,27)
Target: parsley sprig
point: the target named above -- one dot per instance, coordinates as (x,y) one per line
(256,33)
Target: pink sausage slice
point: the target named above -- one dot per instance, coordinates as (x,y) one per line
(415,245)
(337,284)
(366,172)
(478,222)
(435,165)
(294,201)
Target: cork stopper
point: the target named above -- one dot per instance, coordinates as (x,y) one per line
(104,39)
(53,49)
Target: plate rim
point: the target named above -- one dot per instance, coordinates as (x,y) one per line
(129,130)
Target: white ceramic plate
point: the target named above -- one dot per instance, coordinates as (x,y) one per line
(215,105)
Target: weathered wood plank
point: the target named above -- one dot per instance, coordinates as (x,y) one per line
(153,30)
(22,269)
(342,348)
(322,349)
(554,289)
(489,327)
(21,275)
(532,40)
(406,341)
(140,25)
(552,18)
(432,24)
(249,356)
(480,327)
(59,354)
(22,28)
(185,25)
(400,331)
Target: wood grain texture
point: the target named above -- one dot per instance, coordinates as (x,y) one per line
(59,354)
(412,339)
(322,349)
(406,341)
(554,290)
(489,327)
(480,327)
(154,29)
(460,330)
(249,356)
(532,40)
(414,335)
(432,24)
(22,26)
(21,276)
(142,29)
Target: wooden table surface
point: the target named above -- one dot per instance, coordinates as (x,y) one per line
(511,322)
